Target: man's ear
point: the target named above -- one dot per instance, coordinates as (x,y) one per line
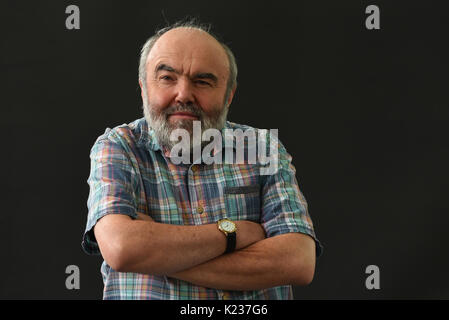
(231,96)
(141,89)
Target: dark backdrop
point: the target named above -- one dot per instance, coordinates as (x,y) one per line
(363,113)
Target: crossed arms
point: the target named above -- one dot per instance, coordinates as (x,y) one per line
(195,253)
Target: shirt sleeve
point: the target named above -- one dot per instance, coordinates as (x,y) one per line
(111,182)
(284,208)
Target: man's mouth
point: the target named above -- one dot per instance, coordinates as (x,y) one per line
(183,115)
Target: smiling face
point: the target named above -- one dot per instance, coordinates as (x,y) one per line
(187,72)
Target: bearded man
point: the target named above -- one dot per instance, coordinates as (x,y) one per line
(192,231)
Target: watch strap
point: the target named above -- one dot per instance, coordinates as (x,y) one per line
(231,242)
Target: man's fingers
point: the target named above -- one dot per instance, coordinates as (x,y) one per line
(143,216)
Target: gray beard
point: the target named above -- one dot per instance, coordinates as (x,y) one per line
(163,128)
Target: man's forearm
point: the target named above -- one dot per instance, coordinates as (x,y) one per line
(156,248)
(281,260)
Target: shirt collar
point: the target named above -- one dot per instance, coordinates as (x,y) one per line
(148,137)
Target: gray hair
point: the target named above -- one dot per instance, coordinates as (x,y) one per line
(191,24)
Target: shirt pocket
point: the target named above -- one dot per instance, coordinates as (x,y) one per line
(243,202)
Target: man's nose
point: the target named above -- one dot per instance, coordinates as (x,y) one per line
(184,92)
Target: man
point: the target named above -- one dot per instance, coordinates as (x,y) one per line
(196,230)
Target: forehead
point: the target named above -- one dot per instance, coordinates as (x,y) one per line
(189,50)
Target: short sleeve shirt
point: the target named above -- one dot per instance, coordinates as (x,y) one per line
(130,173)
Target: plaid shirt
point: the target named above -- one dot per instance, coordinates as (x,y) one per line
(130,173)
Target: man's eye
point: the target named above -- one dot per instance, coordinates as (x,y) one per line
(202,83)
(166,78)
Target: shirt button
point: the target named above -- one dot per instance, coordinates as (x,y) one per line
(200,209)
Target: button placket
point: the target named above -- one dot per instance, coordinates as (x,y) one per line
(197,207)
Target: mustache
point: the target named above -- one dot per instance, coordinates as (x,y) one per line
(190,108)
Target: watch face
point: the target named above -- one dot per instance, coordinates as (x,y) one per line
(227,226)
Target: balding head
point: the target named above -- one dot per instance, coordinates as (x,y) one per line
(199,29)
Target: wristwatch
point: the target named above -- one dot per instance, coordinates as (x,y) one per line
(229,229)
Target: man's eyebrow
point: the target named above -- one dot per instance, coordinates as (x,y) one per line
(206,75)
(200,75)
(165,67)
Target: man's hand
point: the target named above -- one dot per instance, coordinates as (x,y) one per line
(248,232)
(143,217)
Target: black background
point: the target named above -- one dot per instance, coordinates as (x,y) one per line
(364,113)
